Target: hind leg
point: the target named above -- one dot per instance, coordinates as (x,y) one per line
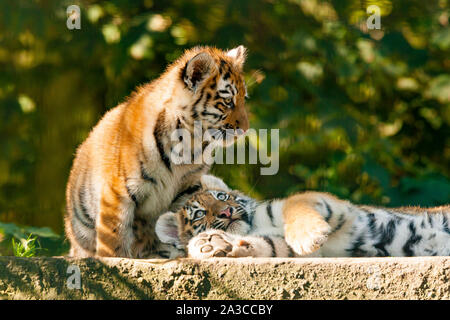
(114,226)
(305,229)
(79,252)
(81,237)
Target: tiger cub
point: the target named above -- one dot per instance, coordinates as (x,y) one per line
(222,223)
(123,177)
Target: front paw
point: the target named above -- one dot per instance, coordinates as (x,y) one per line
(217,243)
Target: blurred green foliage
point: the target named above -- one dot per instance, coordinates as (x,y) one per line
(26,248)
(363,114)
(25,241)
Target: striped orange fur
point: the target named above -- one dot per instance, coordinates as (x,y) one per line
(122,178)
(219,222)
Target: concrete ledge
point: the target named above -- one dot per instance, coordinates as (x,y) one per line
(244,278)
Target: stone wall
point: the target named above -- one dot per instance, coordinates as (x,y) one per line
(224,278)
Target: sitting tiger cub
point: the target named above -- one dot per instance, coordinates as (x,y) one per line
(123,176)
(218,222)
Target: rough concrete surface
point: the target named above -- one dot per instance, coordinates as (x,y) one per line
(225,278)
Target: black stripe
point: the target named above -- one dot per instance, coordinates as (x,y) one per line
(194,109)
(215,115)
(430,252)
(158,133)
(230,87)
(183,74)
(217,121)
(198,101)
(132,196)
(222,65)
(194,113)
(430,220)
(84,218)
(372,223)
(208,97)
(217,224)
(339,225)
(269,211)
(78,217)
(217,104)
(205,144)
(164,254)
(291,252)
(413,240)
(271,244)
(84,209)
(329,211)
(356,250)
(246,217)
(144,174)
(445,224)
(386,238)
(383,235)
(189,190)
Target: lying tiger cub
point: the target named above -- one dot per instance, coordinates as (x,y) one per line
(219,222)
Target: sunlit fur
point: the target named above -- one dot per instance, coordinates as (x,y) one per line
(310,224)
(122,178)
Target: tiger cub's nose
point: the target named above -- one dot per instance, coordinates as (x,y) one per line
(226,213)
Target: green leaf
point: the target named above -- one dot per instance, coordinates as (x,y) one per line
(439,88)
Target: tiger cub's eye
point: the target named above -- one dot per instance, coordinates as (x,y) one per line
(228,100)
(199,214)
(222,196)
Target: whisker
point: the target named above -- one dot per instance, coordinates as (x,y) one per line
(253,187)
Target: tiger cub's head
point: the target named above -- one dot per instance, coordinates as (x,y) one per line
(215,82)
(214,207)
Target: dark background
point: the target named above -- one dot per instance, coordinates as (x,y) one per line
(363,114)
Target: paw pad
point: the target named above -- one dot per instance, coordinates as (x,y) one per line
(210,244)
(206,248)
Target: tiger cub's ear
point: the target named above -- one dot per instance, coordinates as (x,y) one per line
(239,54)
(198,69)
(210,182)
(166,228)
